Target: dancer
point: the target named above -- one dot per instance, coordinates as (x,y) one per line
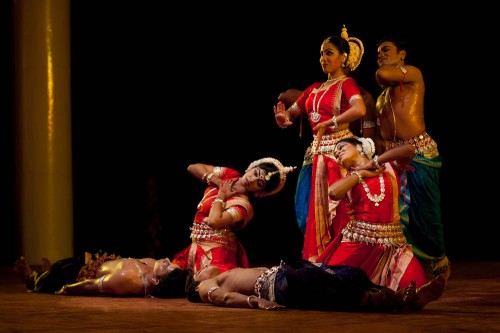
(401,116)
(373,239)
(306,285)
(330,106)
(225,209)
(105,275)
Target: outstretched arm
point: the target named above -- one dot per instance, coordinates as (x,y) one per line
(210,292)
(205,172)
(402,154)
(88,287)
(390,74)
(339,188)
(114,284)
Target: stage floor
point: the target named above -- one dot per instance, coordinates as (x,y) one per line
(471,303)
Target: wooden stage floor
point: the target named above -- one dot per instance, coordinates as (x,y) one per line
(471,303)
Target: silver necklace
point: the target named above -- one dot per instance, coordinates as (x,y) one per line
(375,198)
(315,116)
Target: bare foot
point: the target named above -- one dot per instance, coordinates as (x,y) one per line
(23,269)
(429,292)
(46,264)
(405,296)
(88,258)
(442,267)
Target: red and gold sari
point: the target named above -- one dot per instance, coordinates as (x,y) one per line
(373,239)
(217,246)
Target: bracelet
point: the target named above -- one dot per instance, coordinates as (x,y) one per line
(250,303)
(334,119)
(210,291)
(375,161)
(222,202)
(360,178)
(209,177)
(204,178)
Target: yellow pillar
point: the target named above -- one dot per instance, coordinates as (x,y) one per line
(43,133)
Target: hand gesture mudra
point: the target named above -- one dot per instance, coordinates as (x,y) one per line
(280,115)
(227,188)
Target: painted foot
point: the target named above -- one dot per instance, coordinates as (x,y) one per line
(442,267)
(23,269)
(405,296)
(46,264)
(429,292)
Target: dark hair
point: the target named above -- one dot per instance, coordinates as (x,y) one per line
(352,141)
(275,178)
(173,284)
(341,44)
(399,42)
(191,293)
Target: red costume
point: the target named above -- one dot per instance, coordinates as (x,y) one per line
(373,239)
(319,217)
(218,247)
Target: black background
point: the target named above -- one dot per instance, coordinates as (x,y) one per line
(157,87)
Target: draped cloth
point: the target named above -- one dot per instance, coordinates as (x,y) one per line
(318,217)
(217,246)
(373,239)
(422,223)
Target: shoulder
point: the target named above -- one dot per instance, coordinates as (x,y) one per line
(228,173)
(312,86)
(350,87)
(412,73)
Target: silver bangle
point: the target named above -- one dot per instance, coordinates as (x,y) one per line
(249,302)
(204,178)
(375,161)
(209,178)
(210,291)
(360,178)
(334,119)
(222,202)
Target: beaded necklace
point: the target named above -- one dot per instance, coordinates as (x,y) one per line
(315,116)
(377,197)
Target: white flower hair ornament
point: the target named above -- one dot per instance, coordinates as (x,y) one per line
(281,169)
(368,147)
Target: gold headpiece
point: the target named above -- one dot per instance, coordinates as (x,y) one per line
(281,169)
(356,50)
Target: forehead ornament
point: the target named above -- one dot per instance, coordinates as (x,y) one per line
(282,170)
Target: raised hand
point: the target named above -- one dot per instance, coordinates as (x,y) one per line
(227,188)
(280,114)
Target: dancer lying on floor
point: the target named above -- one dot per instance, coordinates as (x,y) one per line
(106,275)
(306,285)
